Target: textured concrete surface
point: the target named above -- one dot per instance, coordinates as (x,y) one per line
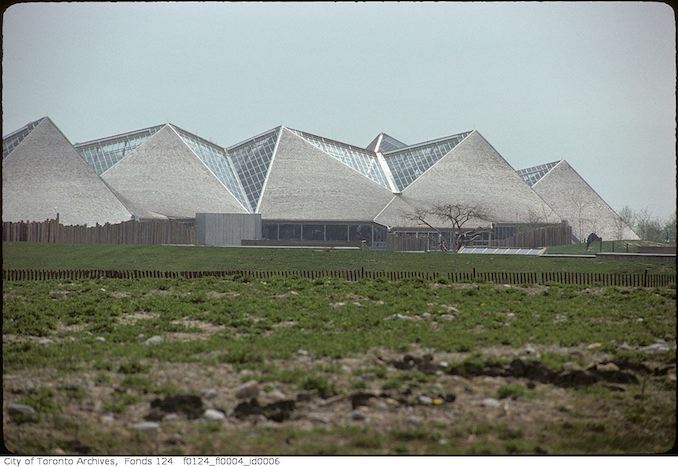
(575,201)
(45,175)
(305,183)
(164,176)
(226,229)
(473,173)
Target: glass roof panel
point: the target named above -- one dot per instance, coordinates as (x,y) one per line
(359,159)
(251,160)
(103,153)
(388,143)
(215,158)
(532,175)
(12,140)
(408,163)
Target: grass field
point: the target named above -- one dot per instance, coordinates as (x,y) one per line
(409,367)
(618,246)
(23,255)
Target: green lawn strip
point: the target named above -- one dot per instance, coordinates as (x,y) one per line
(609,246)
(24,255)
(331,318)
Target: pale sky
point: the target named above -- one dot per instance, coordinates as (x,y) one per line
(593,83)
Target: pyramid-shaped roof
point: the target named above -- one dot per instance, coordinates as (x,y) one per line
(103,153)
(532,175)
(12,140)
(584,209)
(472,173)
(176,174)
(409,163)
(217,161)
(383,143)
(306,182)
(43,175)
(361,160)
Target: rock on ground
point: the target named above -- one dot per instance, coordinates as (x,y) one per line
(212,414)
(21,409)
(146,426)
(249,390)
(155,340)
(492,403)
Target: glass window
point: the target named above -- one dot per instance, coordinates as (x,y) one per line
(11,141)
(532,175)
(269,231)
(388,143)
(359,232)
(102,154)
(379,233)
(359,159)
(337,232)
(290,232)
(314,232)
(251,160)
(218,162)
(409,163)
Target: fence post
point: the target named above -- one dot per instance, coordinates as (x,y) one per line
(645,278)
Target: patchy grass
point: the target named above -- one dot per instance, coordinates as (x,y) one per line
(75,352)
(514,391)
(24,255)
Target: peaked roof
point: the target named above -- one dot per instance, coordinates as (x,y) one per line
(170,174)
(361,160)
(383,142)
(305,182)
(409,163)
(532,175)
(252,160)
(12,140)
(577,202)
(44,175)
(473,173)
(215,158)
(103,153)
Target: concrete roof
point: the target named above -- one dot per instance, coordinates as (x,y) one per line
(575,201)
(165,177)
(306,183)
(44,175)
(473,173)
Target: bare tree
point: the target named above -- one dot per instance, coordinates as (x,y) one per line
(670,229)
(628,216)
(459,215)
(537,217)
(580,206)
(619,228)
(420,216)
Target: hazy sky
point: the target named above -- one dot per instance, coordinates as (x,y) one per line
(593,83)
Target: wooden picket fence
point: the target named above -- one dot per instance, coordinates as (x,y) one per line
(578,278)
(550,235)
(153,232)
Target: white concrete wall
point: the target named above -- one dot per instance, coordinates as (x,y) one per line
(226,229)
